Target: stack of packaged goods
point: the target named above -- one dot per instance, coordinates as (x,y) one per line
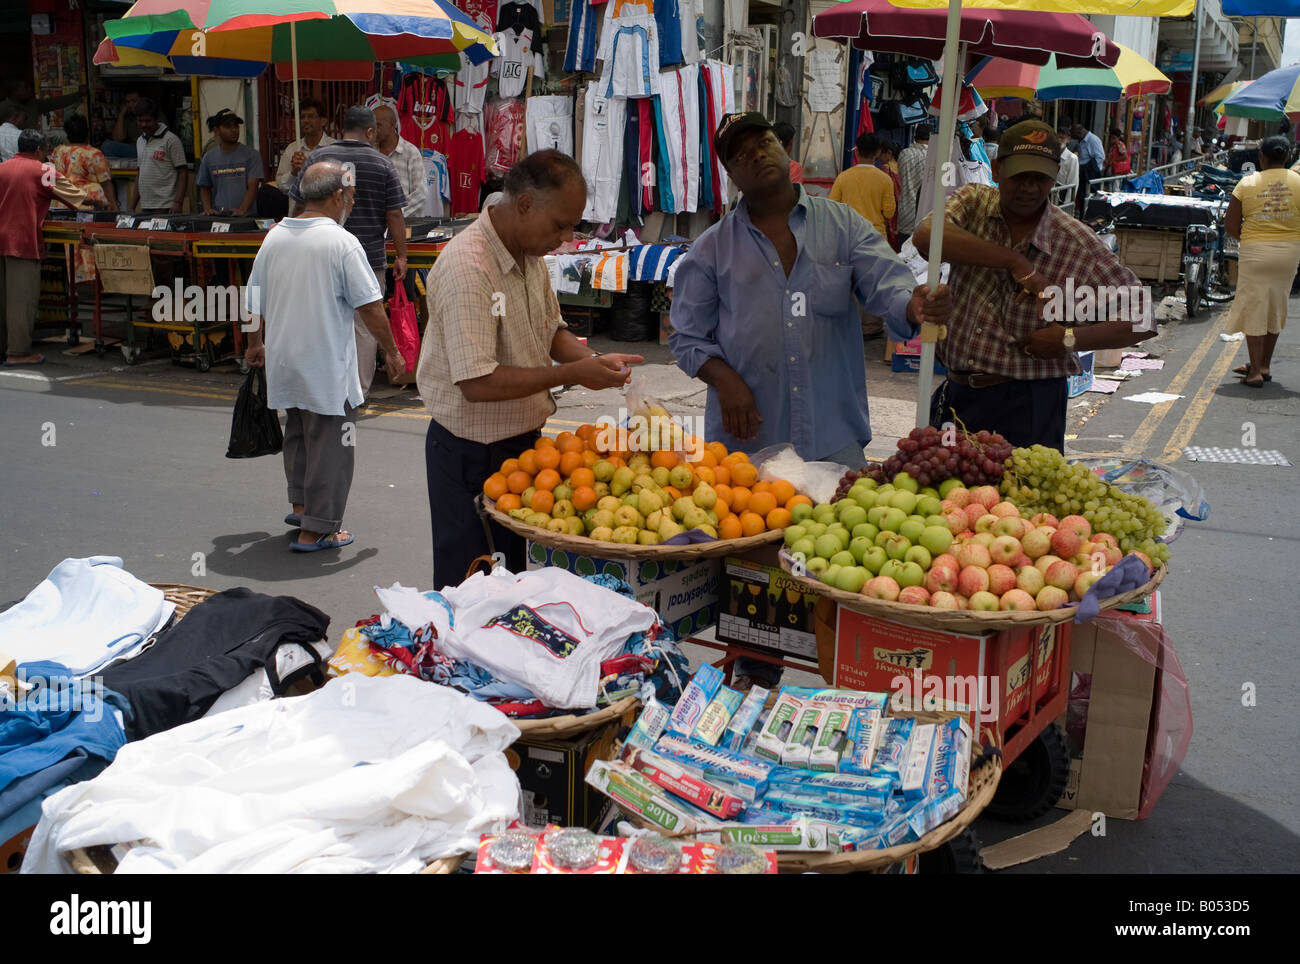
(823,770)
(576,850)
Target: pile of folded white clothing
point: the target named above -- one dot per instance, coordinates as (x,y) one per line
(366,775)
(86,614)
(547,630)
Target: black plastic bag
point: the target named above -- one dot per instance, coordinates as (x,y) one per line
(254,428)
(631,318)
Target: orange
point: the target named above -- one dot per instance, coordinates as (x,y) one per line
(545,442)
(742,473)
(731,459)
(518,480)
(708,458)
(724,492)
(587,433)
(562,438)
(704,474)
(723,508)
(665,460)
(751,523)
(740,497)
(673,491)
(783,491)
(509,501)
(570,444)
(778,518)
(508,466)
(569,462)
(582,476)
(798,500)
(722,474)
(760,502)
(584,497)
(730,527)
(590,458)
(547,479)
(543,501)
(718,449)
(548,457)
(528,461)
(617,460)
(495,486)
(758,487)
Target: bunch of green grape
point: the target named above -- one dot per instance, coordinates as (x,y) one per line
(1039,479)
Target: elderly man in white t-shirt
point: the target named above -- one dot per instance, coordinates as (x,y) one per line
(309,278)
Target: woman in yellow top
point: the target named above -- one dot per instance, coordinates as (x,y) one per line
(1265,214)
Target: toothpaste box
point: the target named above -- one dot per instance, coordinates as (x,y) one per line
(694,699)
(864,736)
(649,725)
(918,762)
(778,727)
(745,718)
(798,748)
(801,835)
(832,740)
(639,795)
(867,792)
(895,746)
(677,780)
(855,699)
(742,776)
(812,805)
(949,770)
(717,715)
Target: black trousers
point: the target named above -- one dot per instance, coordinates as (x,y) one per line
(456,470)
(1024,413)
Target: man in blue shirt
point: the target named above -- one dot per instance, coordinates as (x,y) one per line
(1092,158)
(764,302)
(230,171)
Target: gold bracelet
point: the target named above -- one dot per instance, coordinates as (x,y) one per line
(1032,272)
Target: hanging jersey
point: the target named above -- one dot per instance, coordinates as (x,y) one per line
(602,153)
(668,18)
(504,123)
(518,17)
(470,86)
(584,23)
(517,56)
(482,12)
(610,272)
(550,124)
(467,174)
(629,46)
(437,184)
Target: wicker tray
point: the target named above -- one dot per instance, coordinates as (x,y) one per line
(980,790)
(570,726)
(617,550)
(961,620)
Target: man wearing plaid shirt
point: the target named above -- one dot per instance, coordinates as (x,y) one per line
(485,371)
(1014,257)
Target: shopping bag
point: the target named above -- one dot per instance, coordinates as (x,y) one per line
(406,330)
(254,428)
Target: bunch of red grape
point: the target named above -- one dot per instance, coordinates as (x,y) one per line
(975,459)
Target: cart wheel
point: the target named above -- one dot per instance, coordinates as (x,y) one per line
(100,349)
(74,337)
(132,355)
(1192,288)
(960,855)
(202,362)
(1035,780)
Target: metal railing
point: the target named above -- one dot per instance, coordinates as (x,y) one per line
(1167,171)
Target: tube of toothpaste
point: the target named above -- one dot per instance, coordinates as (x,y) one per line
(918,762)
(801,834)
(832,740)
(895,746)
(717,715)
(744,719)
(650,724)
(742,776)
(797,751)
(778,727)
(677,780)
(864,734)
(823,809)
(694,699)
(866,792)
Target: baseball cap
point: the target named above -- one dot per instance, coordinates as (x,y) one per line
(224,116)
(1029,146)
(732,126)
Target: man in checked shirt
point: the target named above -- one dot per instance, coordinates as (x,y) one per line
(1016,260)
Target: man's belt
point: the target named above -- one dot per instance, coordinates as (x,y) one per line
(977,379)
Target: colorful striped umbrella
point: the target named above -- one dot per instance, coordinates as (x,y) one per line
(1221,93)
(1268,97)
(1132,76)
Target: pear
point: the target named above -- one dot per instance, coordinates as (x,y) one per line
(558,525)
(629,516)
(602,534)
(601,489)
(539,519)
(705,496)
(695,517)
(668,528)
(653,520)
(632,499)
(647,538)
(626,535)
(610,502)
(575,525)
(649,501)
(643,481)
(622,481)
(680,507)
(521,514)
(681,477)
(661,476)
(709,529)
(603,518)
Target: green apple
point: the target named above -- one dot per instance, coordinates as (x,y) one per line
(801,512)
(873,559)
(865,498)
(827,545)
(912,575)
(563,492)
(892,519)
(864,529)
(851,579)
(919,555)
(936,520)
(842,505)
(853,515)
(824,513)
(886,489)
(831,574)
(805,546)
(843,558)
(876,513)
(897,546)
(868,481)
(793,534)
(904,481)
(929,490)
(937,539)
(858,547)
(912,528)
(882,538)
(817,565)
(903,500)
(929,505)
(893,568)
(816,529)
(948,485)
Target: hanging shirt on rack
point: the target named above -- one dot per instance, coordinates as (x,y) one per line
(482,12)
(519,17)
(517,55)
(504,122)
(677,121)
(470,85)
(584,24)
(691,14)
(423,101)
(550,123)
(437,184)
(602,153)
(646,154)
(629,46)
(467,173)
(668,18)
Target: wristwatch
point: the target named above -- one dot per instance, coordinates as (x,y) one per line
(1068,340)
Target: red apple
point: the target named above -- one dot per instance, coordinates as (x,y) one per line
(1005,550)
(1113,556)
(1062,574)
(985,495)
(1002,579)
(973,579)
(984,539)
(1030,580)
(941,579)
(1051,597)
(972,554)
(1145,558)
(1021,560)
(914,596)
(956,521)
(986,522)
(985,602)
(1066,542)
(881,587)
(963,602)
(946,560)
(1005,510)
(1083,584)
(959,497)
(1105,539)
(944,600)
(1043,562)
(1045,519)
(1018,599)
(973,513)
(1038,542)
(1078,524)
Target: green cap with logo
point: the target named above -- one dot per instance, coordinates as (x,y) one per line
(1030,146)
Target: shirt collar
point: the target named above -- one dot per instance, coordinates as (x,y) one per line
(159,131)
(504,259)
(401,148)
(802,203)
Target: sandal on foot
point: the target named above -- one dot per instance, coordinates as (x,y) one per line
(1245,370)
(1249,384)
(293,519)
(324,542)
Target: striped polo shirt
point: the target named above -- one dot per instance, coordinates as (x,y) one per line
(158,159)
(378,191)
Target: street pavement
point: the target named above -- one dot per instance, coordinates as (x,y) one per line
(102,458)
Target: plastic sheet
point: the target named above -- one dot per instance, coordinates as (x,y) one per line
(817,480)
(1177,494)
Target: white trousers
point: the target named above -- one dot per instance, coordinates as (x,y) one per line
(679,100)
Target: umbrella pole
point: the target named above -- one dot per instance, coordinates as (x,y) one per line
(1191,88)
(953,51)
(293,56)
